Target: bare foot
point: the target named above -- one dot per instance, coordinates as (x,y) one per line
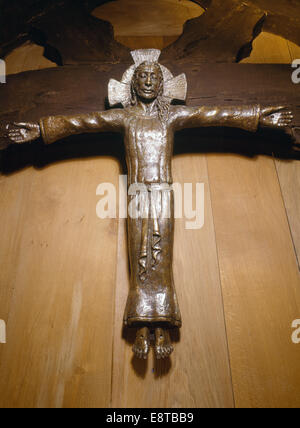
(163,347)
(141,345)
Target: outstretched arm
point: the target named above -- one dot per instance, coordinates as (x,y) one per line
(249,118)
(54,128)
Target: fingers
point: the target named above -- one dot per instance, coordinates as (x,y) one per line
(20,124)
(14,133)
(26,125)
(279,108)
(18,133)
(288,114)
(283,123)
(32,125)
(273,109)
(14,137)
(285,119)
(17,136)
(17,139)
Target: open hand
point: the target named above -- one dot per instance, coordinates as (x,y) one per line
(276,117)
(23,132)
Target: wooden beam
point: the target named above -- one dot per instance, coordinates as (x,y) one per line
(68,90)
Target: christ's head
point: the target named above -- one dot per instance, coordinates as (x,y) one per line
(147,81)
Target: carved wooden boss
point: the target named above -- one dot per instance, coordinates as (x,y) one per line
(148,123)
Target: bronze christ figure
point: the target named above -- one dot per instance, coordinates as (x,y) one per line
(148,122)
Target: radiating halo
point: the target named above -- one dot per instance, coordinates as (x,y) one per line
(120,92)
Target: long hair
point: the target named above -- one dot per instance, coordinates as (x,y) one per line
(162,104)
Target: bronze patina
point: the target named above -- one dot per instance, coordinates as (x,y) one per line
(148,122)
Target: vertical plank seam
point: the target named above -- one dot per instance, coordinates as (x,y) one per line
(290,51)
(14,292)
(221,288)
(114,303)
(287,215)
(281,190)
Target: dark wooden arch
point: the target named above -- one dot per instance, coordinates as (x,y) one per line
(71,35)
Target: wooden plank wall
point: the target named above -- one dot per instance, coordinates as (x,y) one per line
(270,48)
(64,284)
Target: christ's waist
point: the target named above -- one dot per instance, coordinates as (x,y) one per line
(149,172)
(154,172)
(138,188)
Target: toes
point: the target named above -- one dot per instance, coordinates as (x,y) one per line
(163,352)
(145,353)
(136,351)
(158,352)
(140,353)
(168,351)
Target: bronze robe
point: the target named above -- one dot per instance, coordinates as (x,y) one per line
(152,296)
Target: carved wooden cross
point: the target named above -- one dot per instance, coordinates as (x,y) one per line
(148,122)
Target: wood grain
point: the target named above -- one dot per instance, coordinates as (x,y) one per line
(223,33)
(151,18)
(135,42)
(57,288)
(289,178)
(27,57)
(260,280)
(259,274)
(270,48)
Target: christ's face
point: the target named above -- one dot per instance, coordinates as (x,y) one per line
(148,81)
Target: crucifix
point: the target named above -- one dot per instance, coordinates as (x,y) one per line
(148,122)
